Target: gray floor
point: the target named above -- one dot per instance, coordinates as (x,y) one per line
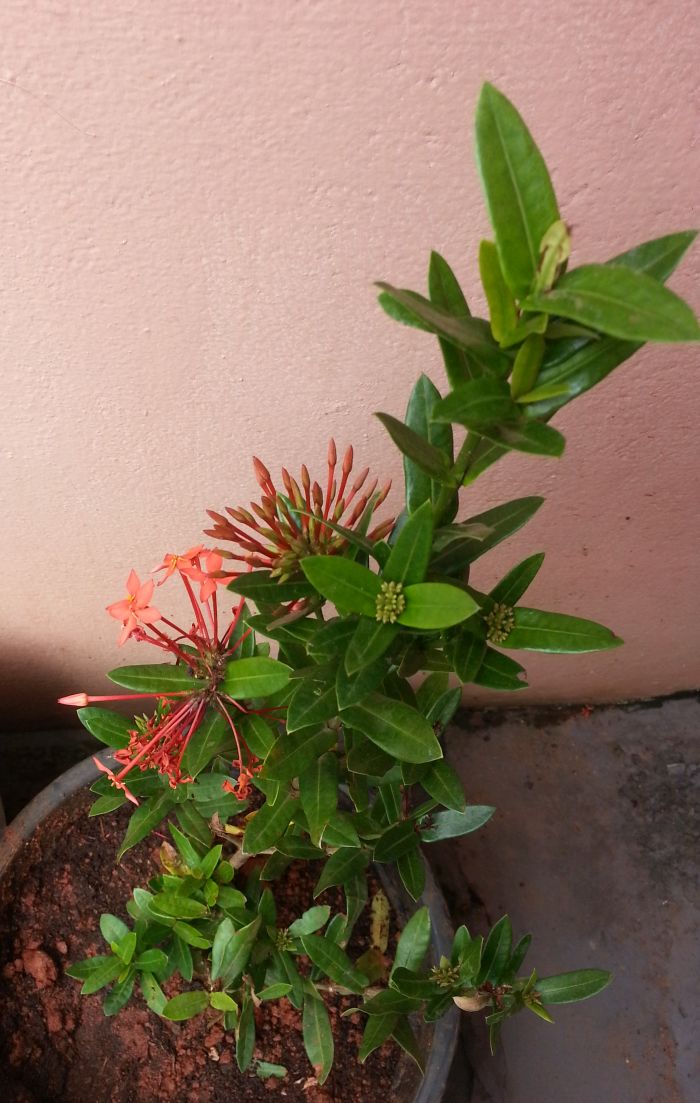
(594,849)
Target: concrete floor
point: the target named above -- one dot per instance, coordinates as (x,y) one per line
(594,849)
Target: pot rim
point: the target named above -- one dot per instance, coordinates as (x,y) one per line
(441,1050)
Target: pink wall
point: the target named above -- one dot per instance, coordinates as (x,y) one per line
(196,200)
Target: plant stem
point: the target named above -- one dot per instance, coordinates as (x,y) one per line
(459,470)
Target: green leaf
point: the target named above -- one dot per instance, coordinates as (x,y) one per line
(411,869)
(258,734)
(369,642)
(107,803)
(207,800)
(191,936)
(468,651)
(318,791)
(473,335)
(211,736)
(313,702)
(254,677)
(156,678)
(502,308)
(221,1001)
(395,727)
(352,688)
(419,486)
(124,947)
(513,585)
(245,1035)
(145,818)
(414,942)
(311,921)
(274,991)
(499,671)
(450,824)
(103,970)
(266,1069)
(267,825)
(532,437)
(333,962)
(446,294)
(185,1006)
(174,906)
(288,969)
(431,605)
(152,961)
(294,846)
(584,367)
(406,982)
(443,785)
(347,584)
(455,547)
(571,987)
(233,950)
(180,957)
(297,751)
(263,588)
(109,727)
(478,403)
(557,633)
(318,1037)
(222,939)
(445,707)
(420,451)
(112,928)
(377,1029)
(518,955)
(341,830)
(496,952)
(119,996)
(366,759)
(410,554)
(398,839)
(404,1036)
(431,690)
(519,194)
(657,258)
(341,867)
(391,1002)
(187,852)
(619,302)
(153,994)
(528,361)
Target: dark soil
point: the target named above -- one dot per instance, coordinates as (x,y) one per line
(57,1047)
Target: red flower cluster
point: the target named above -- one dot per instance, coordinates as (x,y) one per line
(284,528)
(160,741)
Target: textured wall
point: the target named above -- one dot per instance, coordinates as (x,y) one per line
(196,199)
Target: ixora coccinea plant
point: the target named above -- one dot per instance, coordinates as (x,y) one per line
(330,751)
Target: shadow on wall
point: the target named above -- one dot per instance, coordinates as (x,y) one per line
(31,685)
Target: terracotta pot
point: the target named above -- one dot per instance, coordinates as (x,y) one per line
(438,1040)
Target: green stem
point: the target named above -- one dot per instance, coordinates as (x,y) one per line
(459,470)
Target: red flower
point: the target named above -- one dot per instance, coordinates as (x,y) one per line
(135,608)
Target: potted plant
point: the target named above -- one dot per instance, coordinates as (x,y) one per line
(304,726)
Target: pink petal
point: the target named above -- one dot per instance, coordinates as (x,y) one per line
(120,610)
(149,615)
(132,583)
(197,550)
(145,593)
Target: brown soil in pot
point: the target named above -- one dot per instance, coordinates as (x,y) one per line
(56,1046)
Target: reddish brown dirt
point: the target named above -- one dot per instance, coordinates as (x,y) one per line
(56,1045)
